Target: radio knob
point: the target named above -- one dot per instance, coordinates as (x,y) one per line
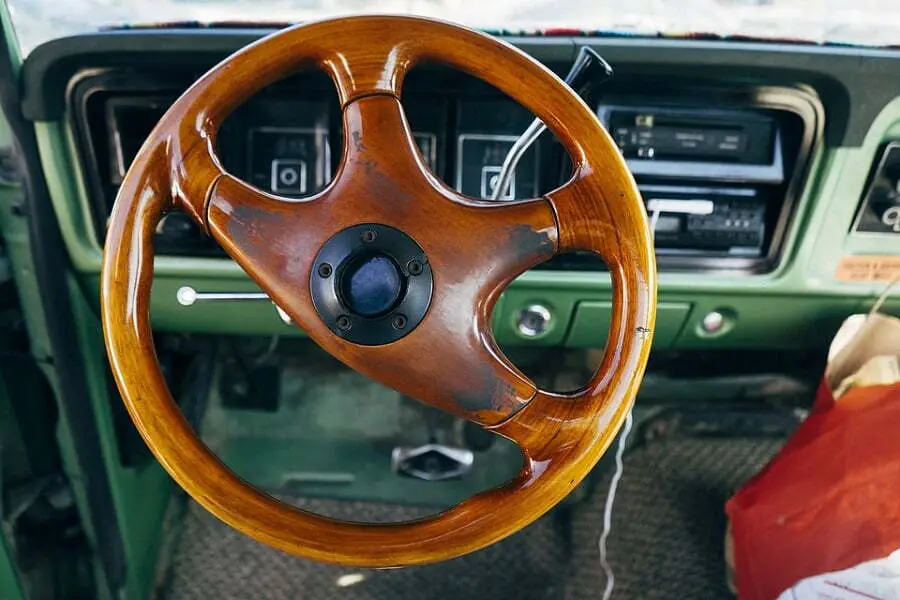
(533,320)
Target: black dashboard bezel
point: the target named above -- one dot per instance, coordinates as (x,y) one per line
(740,95)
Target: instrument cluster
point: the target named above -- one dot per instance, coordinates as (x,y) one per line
(718,174)
(293,148)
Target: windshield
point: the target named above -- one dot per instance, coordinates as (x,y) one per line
(863,22)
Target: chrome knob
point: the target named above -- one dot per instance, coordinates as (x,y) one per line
(713,322)
(533,320)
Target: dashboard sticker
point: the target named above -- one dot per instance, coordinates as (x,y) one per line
(868,268)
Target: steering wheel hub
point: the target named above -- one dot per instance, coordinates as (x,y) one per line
(371,284)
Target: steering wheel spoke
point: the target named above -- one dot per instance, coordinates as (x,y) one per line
(376,67)
(381,164)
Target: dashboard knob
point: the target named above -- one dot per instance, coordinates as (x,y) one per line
(713,322)
(533,320)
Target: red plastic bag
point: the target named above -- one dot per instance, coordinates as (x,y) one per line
(829,501)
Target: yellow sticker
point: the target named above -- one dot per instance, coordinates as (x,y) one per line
(868,268)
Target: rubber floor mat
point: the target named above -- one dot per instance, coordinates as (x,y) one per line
(668,521)
(666,542)
(213,561)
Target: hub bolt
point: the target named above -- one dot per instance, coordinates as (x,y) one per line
(399,321)
(414,267)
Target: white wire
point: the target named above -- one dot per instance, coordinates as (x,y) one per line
(607,511)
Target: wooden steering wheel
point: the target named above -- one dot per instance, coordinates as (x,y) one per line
(382,204)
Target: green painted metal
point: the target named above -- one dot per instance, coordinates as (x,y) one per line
(590,324)
(759,320)
(141,494)
(11,435)
(15,233)
(10,586)
(802,289)
(10,38)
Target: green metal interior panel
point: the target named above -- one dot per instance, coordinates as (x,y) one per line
(141,493)
(10,587)
(590,326)
(753,320)
(829,234)
(13,457)
(15,233)
(58,160)
(816,240)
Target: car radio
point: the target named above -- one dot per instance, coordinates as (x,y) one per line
(712,180)
(705,175)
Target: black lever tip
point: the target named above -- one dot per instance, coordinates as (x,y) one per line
(588,70)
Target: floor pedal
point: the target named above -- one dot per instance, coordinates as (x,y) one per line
(432,462)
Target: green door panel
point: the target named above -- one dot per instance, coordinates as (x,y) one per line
(10,588)
(590,327)
(141,492)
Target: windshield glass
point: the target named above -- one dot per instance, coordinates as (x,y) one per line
(863,22)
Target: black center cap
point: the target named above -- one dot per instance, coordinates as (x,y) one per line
(371,284)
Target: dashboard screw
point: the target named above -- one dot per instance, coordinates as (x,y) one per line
(414,267)
(343,322)
(399,321)
(368,236)
(325,270)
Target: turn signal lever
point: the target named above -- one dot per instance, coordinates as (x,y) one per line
(588,71)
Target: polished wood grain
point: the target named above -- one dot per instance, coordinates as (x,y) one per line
(475,249)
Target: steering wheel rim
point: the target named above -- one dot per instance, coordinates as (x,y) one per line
(599,210)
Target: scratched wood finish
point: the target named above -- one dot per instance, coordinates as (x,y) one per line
(475,249)
(449,360)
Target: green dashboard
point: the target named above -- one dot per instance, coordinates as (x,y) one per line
(794,299)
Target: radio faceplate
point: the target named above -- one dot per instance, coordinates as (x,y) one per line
(719,178)
(685,143)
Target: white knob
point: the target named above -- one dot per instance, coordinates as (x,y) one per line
(186,295)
